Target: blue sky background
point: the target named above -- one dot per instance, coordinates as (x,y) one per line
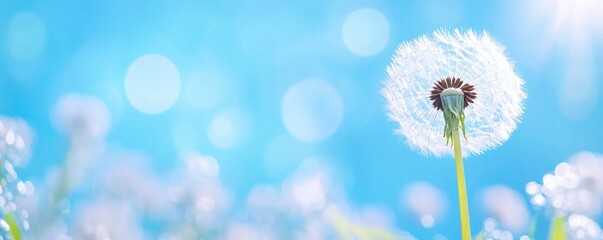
(260,49)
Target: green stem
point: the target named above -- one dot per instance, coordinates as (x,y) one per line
(557,231)
(460,180)
(532,227)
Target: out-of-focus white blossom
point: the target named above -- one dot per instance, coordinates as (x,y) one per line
(580,227)
(508,207)
(475,59)
(425,201)
(15,144)
(82,117)
(491,231)
(574,187)
(15,140)
(108,219)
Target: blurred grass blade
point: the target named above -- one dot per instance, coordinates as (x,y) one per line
(14,227)
(480,236)
(557,231)
(532,227)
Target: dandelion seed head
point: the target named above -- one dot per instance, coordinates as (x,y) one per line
(452,62)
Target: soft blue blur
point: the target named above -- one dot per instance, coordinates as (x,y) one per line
(260,49)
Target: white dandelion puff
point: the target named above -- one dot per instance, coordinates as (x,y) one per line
(466,74)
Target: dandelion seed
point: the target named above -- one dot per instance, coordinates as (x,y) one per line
(448,83)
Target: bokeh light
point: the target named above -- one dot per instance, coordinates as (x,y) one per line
(312,110)
(227,129)
(26,36)
(365,32)
(152,84)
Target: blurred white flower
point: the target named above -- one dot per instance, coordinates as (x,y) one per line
(15,141)
(310,188)
(425,201)
(239,231)
(491,231)
(581,227)
(471,64)
(108,219)
(15,144)
(575,187)
(133,182)
(507,206)
(81,117)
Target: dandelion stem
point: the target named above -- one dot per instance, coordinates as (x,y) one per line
(460,180)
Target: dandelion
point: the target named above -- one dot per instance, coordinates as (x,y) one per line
(448,83)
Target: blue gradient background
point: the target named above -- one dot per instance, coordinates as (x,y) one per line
(265,47)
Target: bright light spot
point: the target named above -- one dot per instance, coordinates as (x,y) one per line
(226,129)
(4,225)
(562,169)
(538,200)
(21,187)
(152,84)
(427,221)
(532,188)
(549,181)
(26,36)
(365,32)
(312,110)
(206,90)
(10,137)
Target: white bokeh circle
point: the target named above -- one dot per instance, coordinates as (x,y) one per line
(152,84)
(365,32)
(26,36)
(312,110)
(227,129)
